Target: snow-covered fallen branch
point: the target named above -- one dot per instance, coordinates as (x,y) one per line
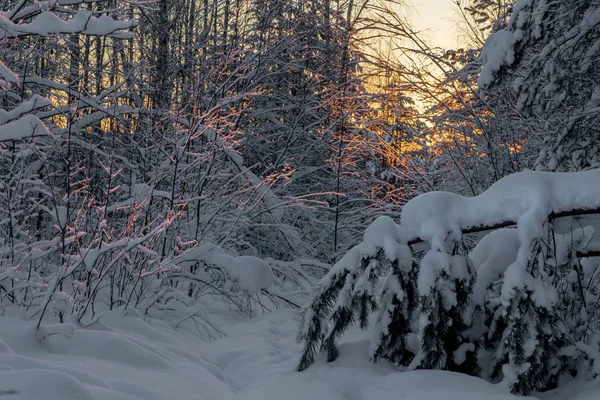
(561,195)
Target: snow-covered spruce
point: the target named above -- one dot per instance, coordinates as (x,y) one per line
(512,315)
(350,290)
(392,337)
(532,334)
(445,284)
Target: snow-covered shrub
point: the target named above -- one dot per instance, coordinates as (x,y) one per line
(245,283)
(520,309)
(98,209)
(49,251)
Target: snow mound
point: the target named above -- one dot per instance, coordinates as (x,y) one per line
(259,357)
(252,274)
(290,387)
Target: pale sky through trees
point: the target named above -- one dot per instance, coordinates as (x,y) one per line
(436,16)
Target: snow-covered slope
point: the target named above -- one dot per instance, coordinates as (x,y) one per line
(125,358)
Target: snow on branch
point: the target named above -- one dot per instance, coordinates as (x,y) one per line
(82,22)
(263,189)
(559,195)
(25,127)
(21,12)
(7,76)
(36,102)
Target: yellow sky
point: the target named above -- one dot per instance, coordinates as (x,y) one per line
(437,17)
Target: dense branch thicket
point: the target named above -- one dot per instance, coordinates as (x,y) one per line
(139,139)
(542,72)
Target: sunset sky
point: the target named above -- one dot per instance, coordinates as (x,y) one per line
(436,16)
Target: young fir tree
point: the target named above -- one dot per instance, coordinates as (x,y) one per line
(529,352)
(399,301)
(346,292)
(445,285)
(350,291)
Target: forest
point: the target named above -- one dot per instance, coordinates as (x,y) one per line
(180,162)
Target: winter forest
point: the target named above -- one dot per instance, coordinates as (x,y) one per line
(299,199)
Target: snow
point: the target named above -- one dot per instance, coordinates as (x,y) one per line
(34,103)
(498,51)
(23,128)
(7,76)
(460,354)
(491,257)
(505,201)
(262,188)
(252,273)
(141,191)
(432,265)
(384,233)
(123,357)
(430,208)
(82,22)
(530,227)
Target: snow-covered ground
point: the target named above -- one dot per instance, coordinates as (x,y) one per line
(126,358)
